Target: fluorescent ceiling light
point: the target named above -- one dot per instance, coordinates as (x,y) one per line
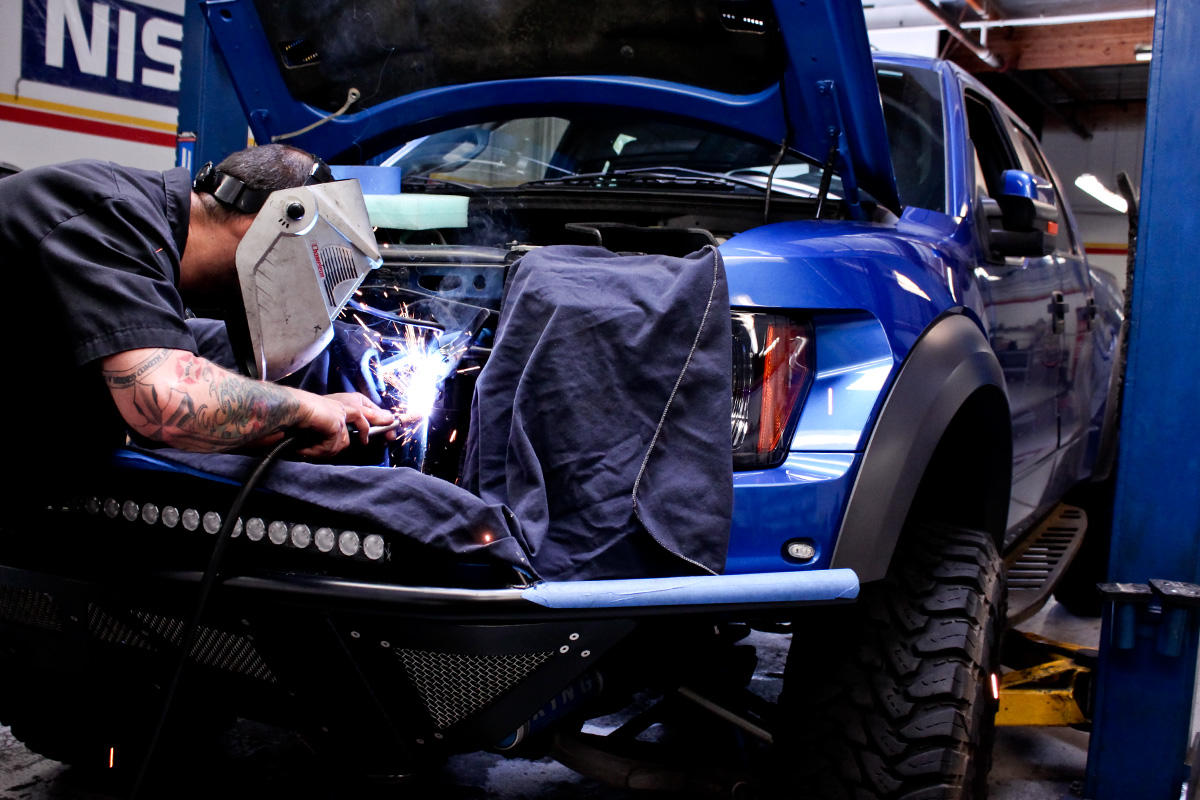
(1092,185)
(1141,52)
(907,18)
(1062,19)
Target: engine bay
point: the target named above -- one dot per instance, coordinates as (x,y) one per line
(432,308)
(431,311)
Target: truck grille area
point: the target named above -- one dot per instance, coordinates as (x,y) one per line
(454,686)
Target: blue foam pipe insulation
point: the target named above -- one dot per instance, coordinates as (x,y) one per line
(771,587)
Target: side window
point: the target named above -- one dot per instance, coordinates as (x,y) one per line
(992,146)
(912,112)
(1032,161)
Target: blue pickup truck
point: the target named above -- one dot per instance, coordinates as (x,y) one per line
(923,363)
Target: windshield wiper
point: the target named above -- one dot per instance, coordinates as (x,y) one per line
(425,182)
(654,177)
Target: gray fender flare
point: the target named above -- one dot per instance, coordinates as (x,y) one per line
(949,363)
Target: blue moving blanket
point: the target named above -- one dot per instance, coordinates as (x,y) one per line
(602,418)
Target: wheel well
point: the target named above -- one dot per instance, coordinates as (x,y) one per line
(943,435)
(969,476)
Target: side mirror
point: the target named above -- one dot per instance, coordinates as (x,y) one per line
(1023,221)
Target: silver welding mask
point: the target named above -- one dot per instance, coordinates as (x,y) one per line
(304,256)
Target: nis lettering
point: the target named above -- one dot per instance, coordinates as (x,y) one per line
(93,49)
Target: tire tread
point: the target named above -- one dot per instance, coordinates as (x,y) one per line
(908,711)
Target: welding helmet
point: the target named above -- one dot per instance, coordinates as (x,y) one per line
(304,255)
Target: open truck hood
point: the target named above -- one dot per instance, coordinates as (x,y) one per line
(401,68)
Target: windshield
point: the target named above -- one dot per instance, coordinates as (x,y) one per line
(912,109)
(514,152)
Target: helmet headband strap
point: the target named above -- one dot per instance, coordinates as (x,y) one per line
(232,192)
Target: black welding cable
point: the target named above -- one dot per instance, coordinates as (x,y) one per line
(206,585)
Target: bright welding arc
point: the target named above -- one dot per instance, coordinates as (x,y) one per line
(413,365)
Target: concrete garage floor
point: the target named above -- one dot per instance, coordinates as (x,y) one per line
(258,762)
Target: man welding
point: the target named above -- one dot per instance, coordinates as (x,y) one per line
(99,260)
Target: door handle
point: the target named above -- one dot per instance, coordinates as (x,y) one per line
(1058,312)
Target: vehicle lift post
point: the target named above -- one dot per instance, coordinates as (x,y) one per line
(1146,673)
(211,124)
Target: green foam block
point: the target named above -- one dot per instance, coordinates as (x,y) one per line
(416,212)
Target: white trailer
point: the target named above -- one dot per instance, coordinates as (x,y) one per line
(89,79)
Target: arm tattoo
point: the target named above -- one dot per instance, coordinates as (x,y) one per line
(188,402)
(121,380)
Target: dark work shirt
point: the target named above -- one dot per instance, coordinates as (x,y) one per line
(90,252)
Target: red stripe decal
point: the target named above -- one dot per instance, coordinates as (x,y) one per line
(1107,251)
(62,122)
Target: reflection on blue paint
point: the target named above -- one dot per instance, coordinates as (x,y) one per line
(907,284)
(854,365)
(871,379)
(805,467)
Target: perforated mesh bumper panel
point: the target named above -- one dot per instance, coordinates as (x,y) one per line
(27,607)
(137,629)
(454,686)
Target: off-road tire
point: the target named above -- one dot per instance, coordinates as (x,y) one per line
(892,697)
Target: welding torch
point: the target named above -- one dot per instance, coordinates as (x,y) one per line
(375,430)
(395,424)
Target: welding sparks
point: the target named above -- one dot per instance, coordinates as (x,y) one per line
(414,364)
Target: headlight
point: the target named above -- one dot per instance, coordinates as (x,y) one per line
(772,370)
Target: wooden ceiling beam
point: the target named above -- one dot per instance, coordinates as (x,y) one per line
(1085,44)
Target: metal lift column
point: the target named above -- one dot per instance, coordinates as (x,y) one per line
(1148,657)
(211,124)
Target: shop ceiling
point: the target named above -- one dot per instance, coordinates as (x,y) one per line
(1077,60)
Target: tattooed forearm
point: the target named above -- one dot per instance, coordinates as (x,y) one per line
(175,397)
(243,407)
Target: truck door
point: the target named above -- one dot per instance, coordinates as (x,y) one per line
(1025,332)
(1076,311)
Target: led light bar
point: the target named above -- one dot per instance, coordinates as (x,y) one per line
(293,535)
